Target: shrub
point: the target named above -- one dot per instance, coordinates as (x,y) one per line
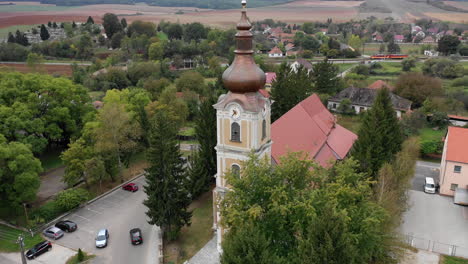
(432,147)
(47,212)
(80,256)
(458,82)
(71,198)
(361,70)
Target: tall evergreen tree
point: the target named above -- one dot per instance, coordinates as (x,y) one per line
(203,164)
(90,20)
(21,38)
(325,76)
(44,33)
(11,38)
(111,24)
(380,136)
(54,25)
(166,187)
(123,22)
(49,24)
(73,24)
(289,89)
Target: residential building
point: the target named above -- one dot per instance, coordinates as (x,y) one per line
(428,40)
(454,163)
(456,120)
(398,38)
(275,53)
(379,84)
(363,98)
(301,62)
(309,127)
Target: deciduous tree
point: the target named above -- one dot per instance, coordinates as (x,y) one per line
(417,87)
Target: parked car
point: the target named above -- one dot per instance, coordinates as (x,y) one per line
(130,187)
(53,232)
(38,249)
(135,236)
(66,225)
(429,185)
(102,238)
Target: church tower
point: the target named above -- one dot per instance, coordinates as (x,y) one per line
(243,116)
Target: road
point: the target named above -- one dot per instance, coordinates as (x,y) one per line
(119,212)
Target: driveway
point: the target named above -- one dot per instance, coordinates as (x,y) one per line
(58,255)
(119,212)
(424,169)
(51,184)
(434,222)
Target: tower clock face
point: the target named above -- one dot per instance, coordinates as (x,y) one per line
(235,112)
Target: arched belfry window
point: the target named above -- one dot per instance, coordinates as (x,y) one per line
(235,132)
(235,170)
(263,129)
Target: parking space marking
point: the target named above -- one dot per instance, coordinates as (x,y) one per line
(105,201)
(82,217)
(93,210)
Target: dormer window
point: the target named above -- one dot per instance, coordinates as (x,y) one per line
(235,132)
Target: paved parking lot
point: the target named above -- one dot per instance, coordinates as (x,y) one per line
(58,255)
(119,212)
(433,221)
(424,169)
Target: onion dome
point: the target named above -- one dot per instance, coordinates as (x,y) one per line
(244,76)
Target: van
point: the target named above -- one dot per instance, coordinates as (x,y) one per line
(429,185)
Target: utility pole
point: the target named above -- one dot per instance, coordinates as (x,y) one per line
(21,242)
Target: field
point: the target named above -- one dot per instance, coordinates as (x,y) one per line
(31,8)
(12,29)
(461,5)
(49,69)
(406,48)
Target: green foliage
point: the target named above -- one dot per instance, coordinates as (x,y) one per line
(48,211)
(191,81)
(355,42)
(156,51)
(418,87)
(325,78)
(75,158)
(392,47)
(111,24)
(300,223)
(45,109)
(176,108)
(80,255)
(34,60)
(19,174)
(412,123)
(289,88)
(345,107)
(432,147)
(408,63)
(380,136)
(459,82)
(195,31)
(44,33)
(361,70)
(141,27)
(453,260)
(443,68)
(71,198)
(166,186)
(448,44)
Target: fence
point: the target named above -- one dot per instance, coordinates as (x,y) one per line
(436,246)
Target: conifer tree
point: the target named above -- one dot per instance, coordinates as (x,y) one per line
(379,137)
(166,187)
(203,164)
(44,33)
(54,25)
(49,24)
(123,22)
(73,24)
(325,76)
(21,39)
(90,20)
(289,89)
(11,38)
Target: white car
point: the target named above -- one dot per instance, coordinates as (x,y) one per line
(429,185)
(102,238)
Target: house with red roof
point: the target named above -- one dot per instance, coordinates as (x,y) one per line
(275,53)
(428,39)
(309,127)
(454,163)
(399,38)
(379,84)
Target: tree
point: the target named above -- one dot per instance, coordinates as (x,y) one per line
(289,89)
(204,162)
(90,20)
(325,77)
(417,87)
(111,24)
(155,87)
(71,198)
(382,48)
(191,81)
(54,25)
(392,47)
(345,107)
(355,42)
(123,22)
(379,137)
(44,33)
(34,60)
(194,31)
(49,24)
(21,38)
(308,27)
(80,255)
(463,50)
(408,63)
(141,27)
(85,47)
(448,44)
(11,38)
(175,108)
(166,187)
(19,174)
(327,223)
(156,51)
(175,31)
(116,133)
(116,39)
(73,24)
(75,158)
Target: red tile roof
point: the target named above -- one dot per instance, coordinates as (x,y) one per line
(379,84)
(399,37)
(270,77)
(265,93)
(457,144)
(311,128)
(275,50)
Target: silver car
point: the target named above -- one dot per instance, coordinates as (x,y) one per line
(53,232)
(102,238)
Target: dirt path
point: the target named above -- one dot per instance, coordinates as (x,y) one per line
(51,183)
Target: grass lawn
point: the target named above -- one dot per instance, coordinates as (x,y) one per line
(96,95)
(373,48)
(452,260)
(74,259)
(8,237)
(12,29)
(162,36)
(51,159)
(351,123)
(344,66)
(187,131)
(429,134)
(194,237)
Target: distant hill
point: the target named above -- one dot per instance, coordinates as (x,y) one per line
(211,4)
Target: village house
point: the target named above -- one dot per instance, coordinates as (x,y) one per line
(379,84)
(377,37)
(457,120)
(301,62)
(275,53)
(398,38)
(363,98)
(428,40)
(454,163)
(309,127)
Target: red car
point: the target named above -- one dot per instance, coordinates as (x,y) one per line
(130,187)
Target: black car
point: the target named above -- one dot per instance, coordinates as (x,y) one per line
(135,236)
(38,249)
(67,225)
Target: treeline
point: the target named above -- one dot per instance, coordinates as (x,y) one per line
(211,4)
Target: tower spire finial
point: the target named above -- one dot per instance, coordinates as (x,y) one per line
(244,4)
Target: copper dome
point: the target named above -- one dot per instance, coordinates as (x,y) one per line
(243,75)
